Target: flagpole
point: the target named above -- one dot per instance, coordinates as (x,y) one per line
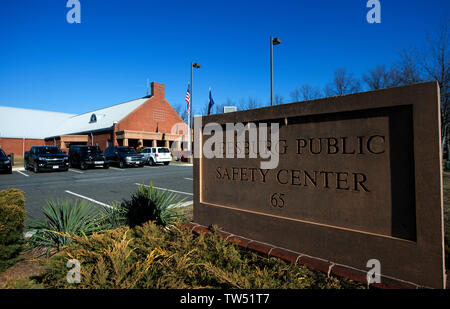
(197,66)
(191,160)
(189,118)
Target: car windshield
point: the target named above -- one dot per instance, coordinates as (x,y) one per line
(127,150)
(163,150)
(47,150)
(2,153)
(91,150)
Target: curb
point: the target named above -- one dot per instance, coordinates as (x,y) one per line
(296,258)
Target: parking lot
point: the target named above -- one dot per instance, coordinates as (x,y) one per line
(99,186)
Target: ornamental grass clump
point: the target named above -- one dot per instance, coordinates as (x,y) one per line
(113,216)
(63,219)
(151,204)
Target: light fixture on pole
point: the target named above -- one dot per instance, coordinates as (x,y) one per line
(273,41)
(197,66)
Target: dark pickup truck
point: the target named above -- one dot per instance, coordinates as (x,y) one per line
(46,158)
(84,157)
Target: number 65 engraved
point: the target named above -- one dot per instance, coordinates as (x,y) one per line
(277,200)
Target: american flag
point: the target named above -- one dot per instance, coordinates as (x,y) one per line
(188,98)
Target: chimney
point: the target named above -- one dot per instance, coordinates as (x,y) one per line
(157,89)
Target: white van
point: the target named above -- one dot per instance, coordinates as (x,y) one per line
(155,155)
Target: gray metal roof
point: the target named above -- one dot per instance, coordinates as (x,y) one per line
(105,118)
(27,123)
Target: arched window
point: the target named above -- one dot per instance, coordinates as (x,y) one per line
(93,119)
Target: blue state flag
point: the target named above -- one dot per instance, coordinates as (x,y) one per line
(211,102)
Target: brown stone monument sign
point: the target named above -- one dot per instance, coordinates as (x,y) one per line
(358,178)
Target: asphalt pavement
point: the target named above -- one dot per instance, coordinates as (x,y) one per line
(99,186)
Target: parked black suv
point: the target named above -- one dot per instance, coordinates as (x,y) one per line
(5,163)
(41,158)
(124,156)
(86,156)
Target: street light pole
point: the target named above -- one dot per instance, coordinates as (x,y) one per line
(271,71)
(197,66)
(273,41)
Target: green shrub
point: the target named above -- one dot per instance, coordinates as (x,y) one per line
(12,220)
(113,217)
(20,284)
(151,256)
(150,204)
(64,219)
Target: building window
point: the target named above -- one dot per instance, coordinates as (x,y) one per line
(93,119)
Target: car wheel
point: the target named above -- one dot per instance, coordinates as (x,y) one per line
(152,162)
(166,163)
(10,171)
(105,166)
(83,166)
(35,168)
(121,165)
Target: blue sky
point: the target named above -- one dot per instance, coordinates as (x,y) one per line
(48,64)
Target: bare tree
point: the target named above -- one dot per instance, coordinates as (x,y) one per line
(204,109)
(310,93)
(436,65)
(250,103)
(406,70)
(278,99)
(295,95)
(343,83)
(181,110)
(219,106)
(328,91)
(378,78)
(304,93)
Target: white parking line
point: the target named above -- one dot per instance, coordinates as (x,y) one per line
(75,171)
(184,204)
(138,184)
(189,179)
(115,168)
(109,206)
(22,173)
(89,199)
(29,233)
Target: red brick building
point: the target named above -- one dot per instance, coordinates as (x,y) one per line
(148,121)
